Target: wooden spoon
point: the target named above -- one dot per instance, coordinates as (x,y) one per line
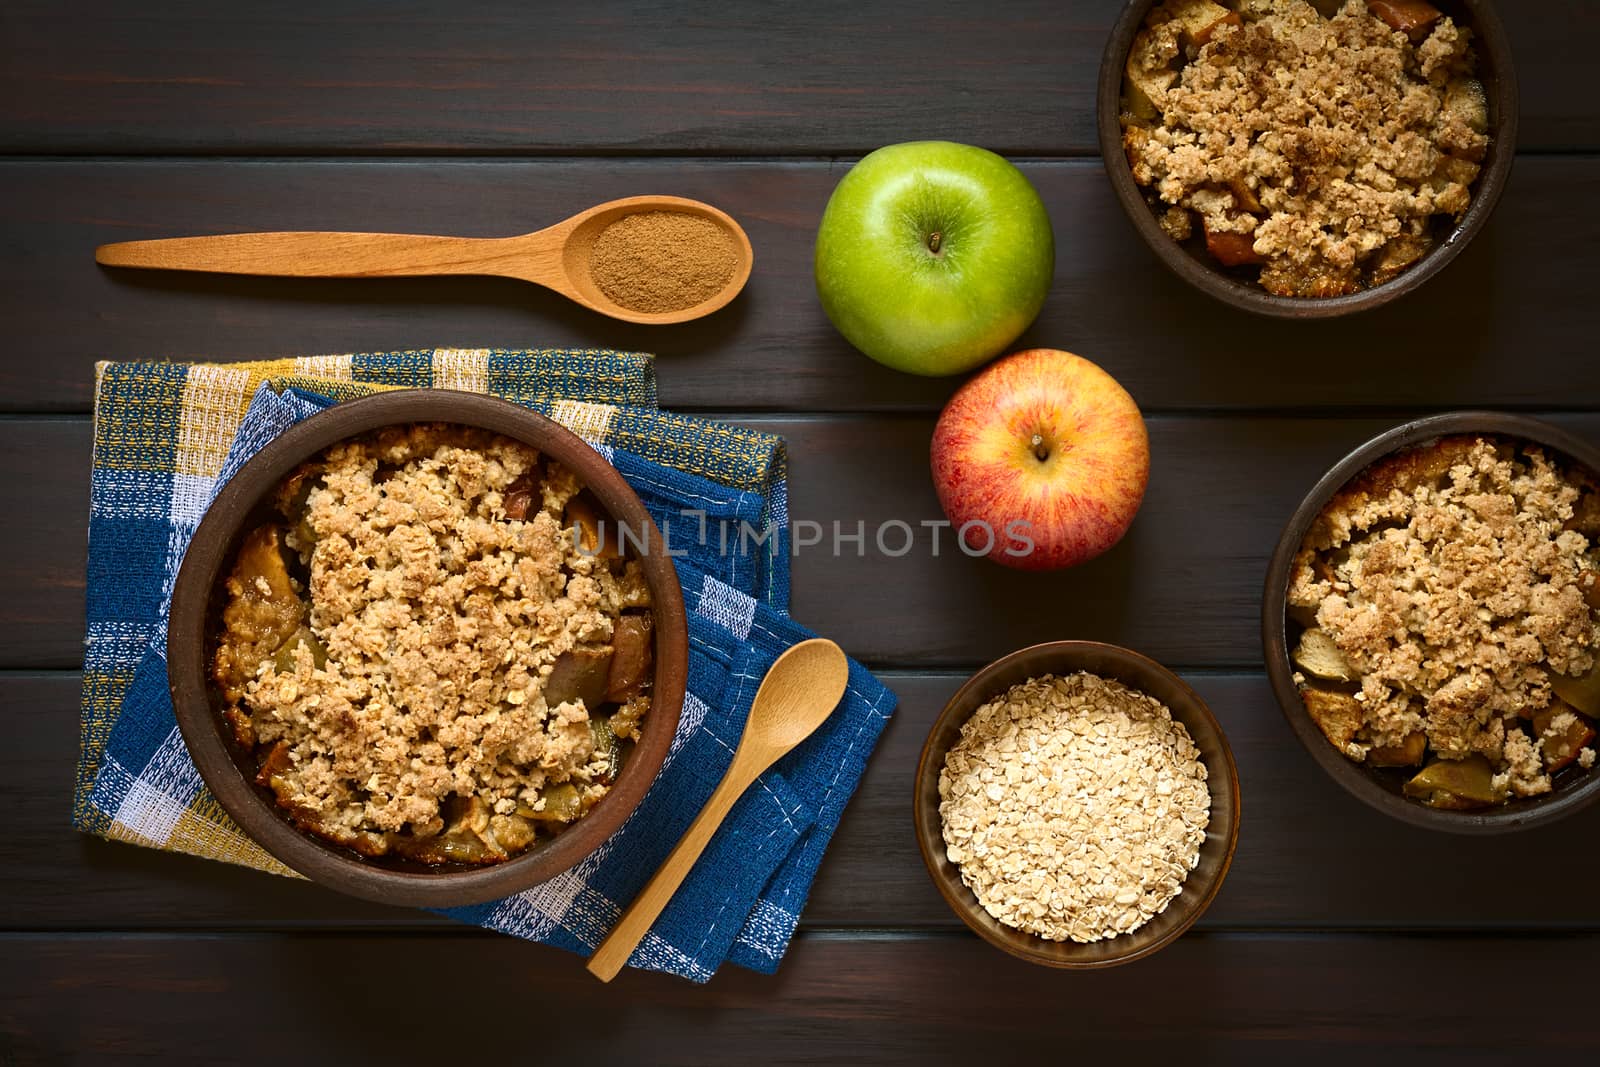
(556,258)
(798,694)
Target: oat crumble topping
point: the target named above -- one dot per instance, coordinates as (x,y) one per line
(1074,807)
(434,678)
(1448,585)
(1320,148)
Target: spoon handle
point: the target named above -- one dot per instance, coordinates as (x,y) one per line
(613,953)
(321,255)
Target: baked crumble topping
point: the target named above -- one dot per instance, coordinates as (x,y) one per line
(1319,146)
(1449,600)
(437,651)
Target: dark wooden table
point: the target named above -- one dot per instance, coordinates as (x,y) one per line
(1338,930)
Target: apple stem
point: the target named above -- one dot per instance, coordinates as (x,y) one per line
(934,239)
(1041,451)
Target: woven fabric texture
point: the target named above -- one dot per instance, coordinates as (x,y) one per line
(168,435)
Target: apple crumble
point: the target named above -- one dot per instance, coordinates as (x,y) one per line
(1074,807)
(1320,147)
(1448,597)
(435,648)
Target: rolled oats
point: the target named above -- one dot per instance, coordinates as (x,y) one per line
(1074,807)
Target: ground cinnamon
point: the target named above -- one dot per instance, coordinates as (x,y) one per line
(658,261)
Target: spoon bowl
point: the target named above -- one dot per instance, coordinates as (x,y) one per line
(559,257)
(584,229)
(797,696)
(800,690)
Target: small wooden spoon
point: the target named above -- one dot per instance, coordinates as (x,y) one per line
(798,694)
(556,257)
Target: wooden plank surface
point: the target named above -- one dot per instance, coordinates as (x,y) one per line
(1183,585)
(1213,999)
(1340,931)
(1306,859)
(339,76)
(1500,327)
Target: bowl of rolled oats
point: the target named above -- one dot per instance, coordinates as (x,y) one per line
(1431,622)
(427,648)
(1307,158)
(1077,805)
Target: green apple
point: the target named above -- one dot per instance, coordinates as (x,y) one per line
(933,257)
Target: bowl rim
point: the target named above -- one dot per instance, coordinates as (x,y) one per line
(930,842)
(213,544)
(1503,92)
(1356,779)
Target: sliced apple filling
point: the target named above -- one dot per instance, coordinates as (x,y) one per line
(1446,608)
(1321,148)
(437,649)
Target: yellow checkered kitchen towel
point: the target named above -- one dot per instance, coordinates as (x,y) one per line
(162,431)
(166,435)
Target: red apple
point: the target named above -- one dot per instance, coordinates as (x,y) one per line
(1041,460)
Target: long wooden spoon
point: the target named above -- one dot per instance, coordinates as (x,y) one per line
(557,257)
(798,694)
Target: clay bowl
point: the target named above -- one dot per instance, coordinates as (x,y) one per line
(1196,267)
(1137,672)
(1381,789)
(229,772)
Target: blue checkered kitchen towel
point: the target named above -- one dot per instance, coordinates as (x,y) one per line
(742,900)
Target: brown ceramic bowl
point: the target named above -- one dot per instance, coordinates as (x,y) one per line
(226,769)
(1379,788)
(1136,672)
(1197,268)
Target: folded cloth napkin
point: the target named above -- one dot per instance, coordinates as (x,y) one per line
(168,435)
